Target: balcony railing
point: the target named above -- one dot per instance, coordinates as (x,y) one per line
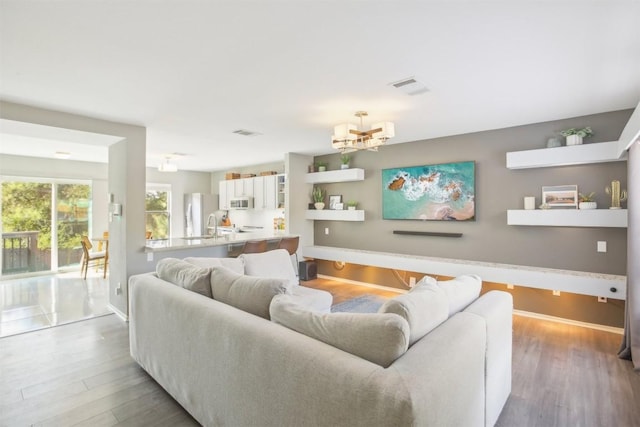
(19,252)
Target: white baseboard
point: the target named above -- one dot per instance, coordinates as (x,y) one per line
(118,313)
(522,313)
(604,328)
(367,285)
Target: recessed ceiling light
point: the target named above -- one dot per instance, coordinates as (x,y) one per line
(62,155)
(245,132)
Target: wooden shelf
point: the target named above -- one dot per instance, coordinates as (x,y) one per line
(341,175)
(335,215)
(565,156)
(569,217)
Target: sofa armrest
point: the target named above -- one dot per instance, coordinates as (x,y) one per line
(496,307)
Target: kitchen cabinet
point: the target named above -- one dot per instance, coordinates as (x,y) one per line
(265,195)
(243,187)
(226,191)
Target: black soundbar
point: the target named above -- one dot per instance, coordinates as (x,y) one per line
(426,233)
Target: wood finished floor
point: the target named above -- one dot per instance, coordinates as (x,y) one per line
(81,374)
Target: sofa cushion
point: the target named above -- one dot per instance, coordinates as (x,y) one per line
(250,294)
(377,337)
(233,264)
(461,291)
(424,308)
(185,275)
(275,263)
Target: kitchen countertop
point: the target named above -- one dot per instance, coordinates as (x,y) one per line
(179,243)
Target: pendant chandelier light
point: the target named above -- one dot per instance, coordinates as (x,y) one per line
(348,137)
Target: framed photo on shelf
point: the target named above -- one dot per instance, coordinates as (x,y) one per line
(560,196)
(339,206)
(333,201)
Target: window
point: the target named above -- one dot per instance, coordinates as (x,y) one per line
(158,212)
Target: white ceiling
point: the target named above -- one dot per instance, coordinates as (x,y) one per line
(192,72)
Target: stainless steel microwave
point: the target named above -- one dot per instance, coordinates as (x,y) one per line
(241,203)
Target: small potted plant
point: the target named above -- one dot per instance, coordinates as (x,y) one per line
(351,205)
(321,166)
(574,136)
(318,195)
(587,201)
(345,159)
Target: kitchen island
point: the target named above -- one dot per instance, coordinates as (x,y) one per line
(227,244)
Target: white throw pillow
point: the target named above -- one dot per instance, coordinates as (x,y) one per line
(377,337)
(461,291)
(185,275)
(233,264)
(250,294)
(424,308)
(275,263)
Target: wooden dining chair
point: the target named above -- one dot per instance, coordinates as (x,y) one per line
(254,247)
(92,257)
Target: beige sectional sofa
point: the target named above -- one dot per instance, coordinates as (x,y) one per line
(296,365)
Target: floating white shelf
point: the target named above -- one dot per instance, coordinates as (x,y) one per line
(341,175)
(569,217)
(564,156)
(336,215)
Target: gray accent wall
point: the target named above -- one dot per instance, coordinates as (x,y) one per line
(498,189)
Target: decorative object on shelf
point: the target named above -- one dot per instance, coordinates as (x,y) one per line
(442,192)
(351,205)
(333,202)
(529,202)
(616,194)
(321,166)
(339,206)
(553,142)
(318,194)
(560,196)
(344,160)
(545,206)
(574,136)
(348,138)
(587,201)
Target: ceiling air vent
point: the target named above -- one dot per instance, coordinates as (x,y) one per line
(245,132)
(410,86)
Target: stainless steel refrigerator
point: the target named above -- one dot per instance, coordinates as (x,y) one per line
(197,208)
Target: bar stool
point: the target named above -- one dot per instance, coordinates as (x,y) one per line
(254,247)
(291,245)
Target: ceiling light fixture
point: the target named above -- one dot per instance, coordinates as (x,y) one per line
(348,138)
(167,166)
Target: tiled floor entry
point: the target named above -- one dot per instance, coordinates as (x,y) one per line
(32,303)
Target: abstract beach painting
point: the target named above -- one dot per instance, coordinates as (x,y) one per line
(442,192)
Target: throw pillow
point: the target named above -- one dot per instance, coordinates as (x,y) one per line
(185,275)
(233,264)
(276,263)
(461,291)
(424,308)
(377,337)
(250,294)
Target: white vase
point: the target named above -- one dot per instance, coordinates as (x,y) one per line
(322,168)
(343,166)
(588,205)
(574,140)
(351,208)
(319,206)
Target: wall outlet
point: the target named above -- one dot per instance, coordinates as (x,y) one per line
(556,293)
(602,246)
(326,231)
(602,299)
(119,289)
(412,282)
(150,256)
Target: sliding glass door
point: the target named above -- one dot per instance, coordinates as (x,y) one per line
(42,221)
